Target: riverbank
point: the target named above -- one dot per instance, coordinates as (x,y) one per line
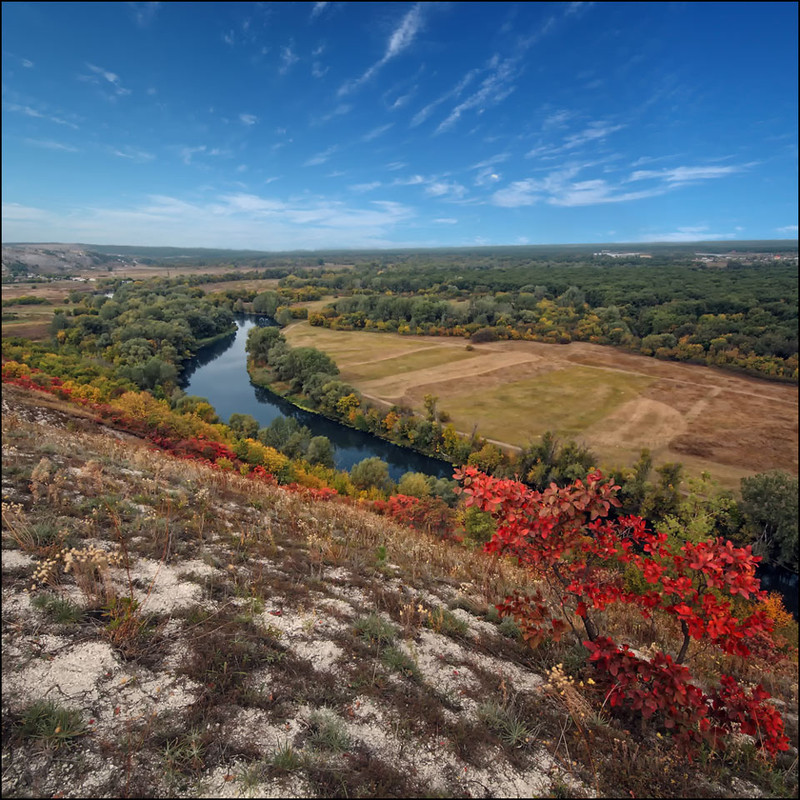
(261,378)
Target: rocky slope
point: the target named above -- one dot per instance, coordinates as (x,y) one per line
(196,633)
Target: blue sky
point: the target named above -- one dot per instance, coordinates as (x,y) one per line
(319,125)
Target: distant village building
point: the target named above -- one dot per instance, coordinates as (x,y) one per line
(621,255)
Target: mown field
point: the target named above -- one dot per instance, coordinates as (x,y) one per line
(615,402)
(33,321)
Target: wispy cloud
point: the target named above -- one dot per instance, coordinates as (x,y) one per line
(689,233)
(486,173)
(787,229)
(49,144)
(376,132)
(446,221)
(143,13)
(339,111)
(445,189)
(133,154)
(317,9)
(29,111)
(400,40)
(595,131)
(233,219)
(557,119)
(321,158)
(188,153)
(687,174)
(494,88)
(248,119)
(560,187)
(288,58)
(366,187)
(100,74)
(456,91)
(14,212)
(498,84)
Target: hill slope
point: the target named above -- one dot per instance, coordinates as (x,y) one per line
(249,641)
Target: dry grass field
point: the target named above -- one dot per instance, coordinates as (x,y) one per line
(258,285)
(615,402)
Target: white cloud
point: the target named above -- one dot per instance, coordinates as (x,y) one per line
(376,132)
(686,174)
(446,221)
(494,88)
(49,144)
(413,180)
(248,119)
(695,233)
(143,13)
(519,193)
(787,229)
(339,111)
(318,9)
(134,154)
(557,119)
(365,187)
(108,76)
(321,158)
(559,189)
(595,130)
(400,40)
(487,176)
(36,114)
(187,153)
(445,188)
(14,212)
(425,112)
(288,58)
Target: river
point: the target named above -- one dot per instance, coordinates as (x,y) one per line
(219,373)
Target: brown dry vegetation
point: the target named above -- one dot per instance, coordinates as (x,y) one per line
(615,402)
(286,648)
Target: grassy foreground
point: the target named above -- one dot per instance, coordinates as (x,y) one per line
(212,636)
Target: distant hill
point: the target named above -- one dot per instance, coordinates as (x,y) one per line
(60,258)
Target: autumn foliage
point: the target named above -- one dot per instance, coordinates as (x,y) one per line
(570,542)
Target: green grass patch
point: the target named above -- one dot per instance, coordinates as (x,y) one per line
(328,733)
(396,660)
(51,724)
(373,629)
(57,609)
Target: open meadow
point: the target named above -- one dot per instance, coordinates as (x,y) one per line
(615,402)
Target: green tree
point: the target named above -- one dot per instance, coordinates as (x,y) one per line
(414,484)
(244,425)
(266,303)
(769,507)
(371,472)
(320,451)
